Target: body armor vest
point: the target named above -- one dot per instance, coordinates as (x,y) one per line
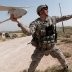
(45,32)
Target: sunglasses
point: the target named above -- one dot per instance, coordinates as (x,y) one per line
(45,8)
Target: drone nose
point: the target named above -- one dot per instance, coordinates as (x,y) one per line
(25,11)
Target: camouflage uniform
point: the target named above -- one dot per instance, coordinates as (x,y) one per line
(46,46)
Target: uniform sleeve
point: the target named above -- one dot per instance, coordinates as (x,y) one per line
(32,27)
(63,18)
(25,29)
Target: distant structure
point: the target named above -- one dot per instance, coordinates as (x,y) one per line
(61,16)
(3,36)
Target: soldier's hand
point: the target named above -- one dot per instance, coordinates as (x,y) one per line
(13,18)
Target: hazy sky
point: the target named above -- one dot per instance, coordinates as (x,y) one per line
(53,5)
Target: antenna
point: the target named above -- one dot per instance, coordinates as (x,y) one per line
(61,16)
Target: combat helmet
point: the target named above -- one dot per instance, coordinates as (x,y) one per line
(40,7)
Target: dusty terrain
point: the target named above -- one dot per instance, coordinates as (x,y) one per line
(15,55)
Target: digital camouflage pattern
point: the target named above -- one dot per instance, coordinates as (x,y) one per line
(44,34)
(46,46)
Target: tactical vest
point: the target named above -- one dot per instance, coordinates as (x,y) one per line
(45,33)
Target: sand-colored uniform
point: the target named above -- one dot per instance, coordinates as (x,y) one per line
(46,46)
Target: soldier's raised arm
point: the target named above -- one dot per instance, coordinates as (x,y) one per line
(63,18)
(29,30)
(25,29)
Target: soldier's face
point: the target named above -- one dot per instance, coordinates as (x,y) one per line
(44,11)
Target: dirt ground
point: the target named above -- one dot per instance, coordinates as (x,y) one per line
(15,55)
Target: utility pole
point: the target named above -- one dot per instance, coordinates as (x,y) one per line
(61,16)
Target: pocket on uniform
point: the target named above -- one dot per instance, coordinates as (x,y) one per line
(33,43)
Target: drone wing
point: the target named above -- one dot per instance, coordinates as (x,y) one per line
(17,11)
(5,8)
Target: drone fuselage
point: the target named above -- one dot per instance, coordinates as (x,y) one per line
(17,12)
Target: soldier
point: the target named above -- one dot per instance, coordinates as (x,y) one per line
(44,37)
